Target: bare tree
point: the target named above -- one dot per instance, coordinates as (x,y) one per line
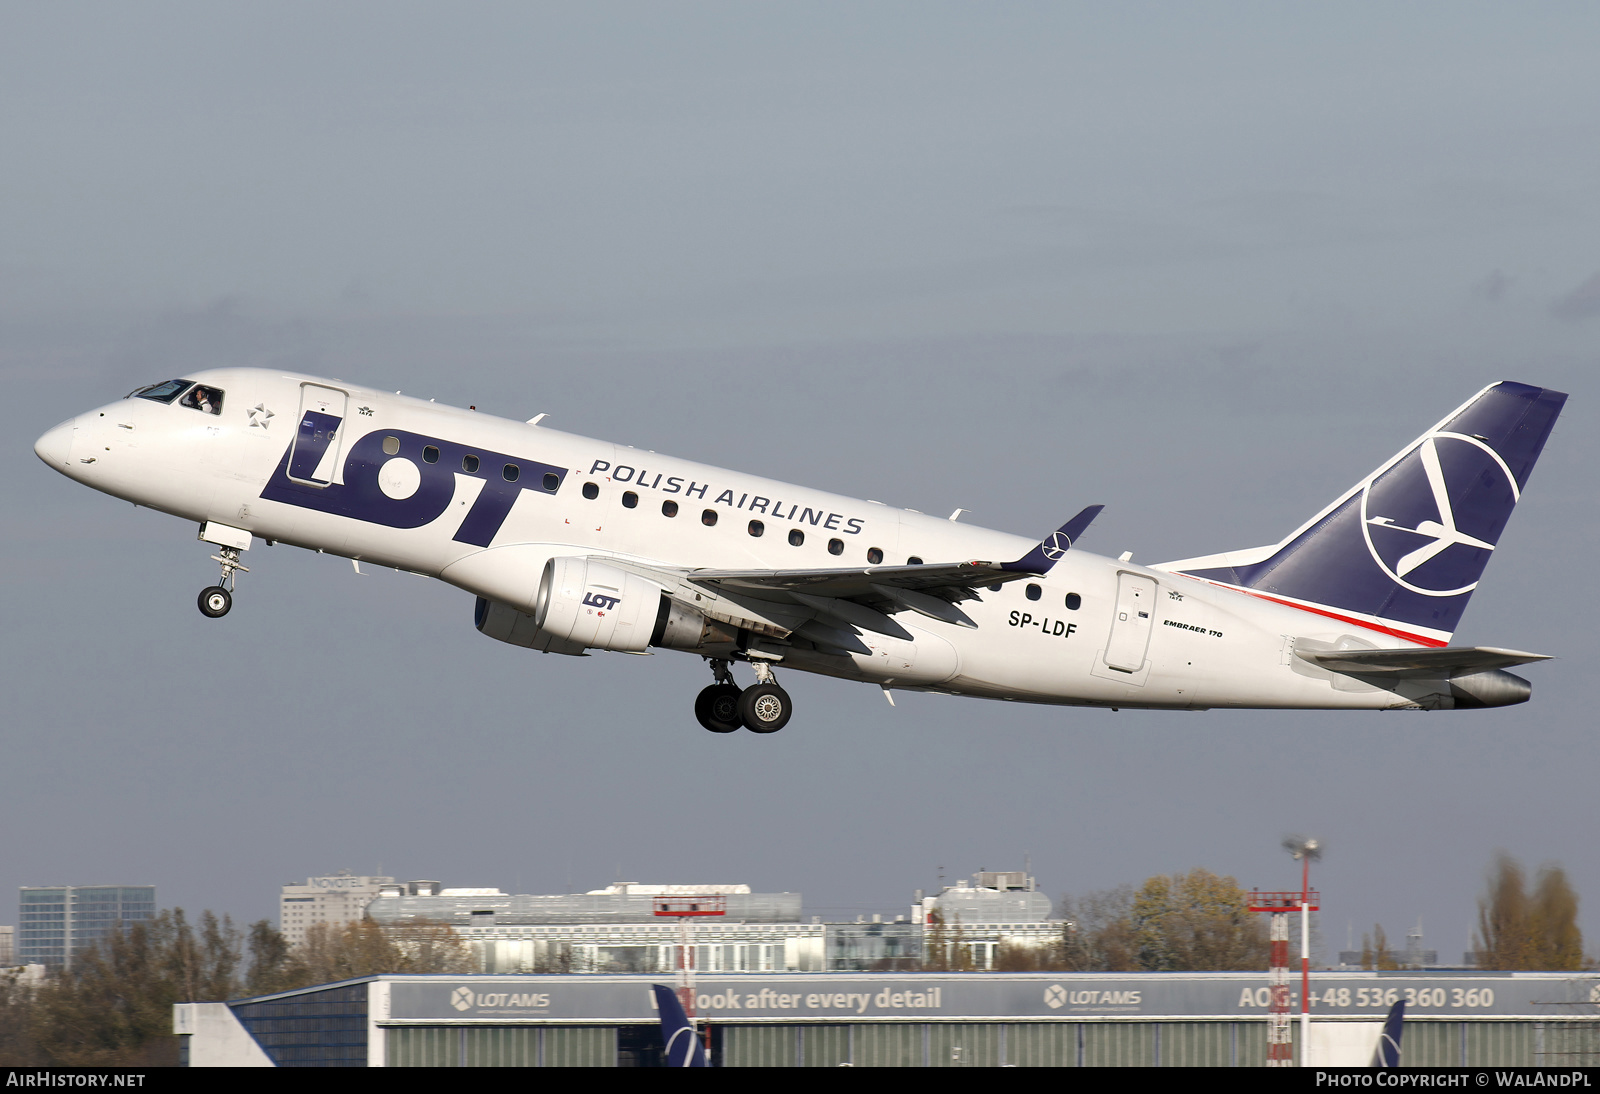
(339,952)
(1098,933)
(1375,951)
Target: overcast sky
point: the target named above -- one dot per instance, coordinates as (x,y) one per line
(1207,264)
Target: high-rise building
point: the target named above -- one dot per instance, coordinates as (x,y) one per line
(336,900)
(57,922)
(8,947)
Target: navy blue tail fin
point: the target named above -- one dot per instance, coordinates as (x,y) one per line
(1387,1053)
(1402,550)
(683,1047)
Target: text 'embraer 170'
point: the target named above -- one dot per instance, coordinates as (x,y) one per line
(572,544)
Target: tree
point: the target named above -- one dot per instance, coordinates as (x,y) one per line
(17,1048)
(269,954)
(1375,951)
(113,1007)
(1557,941)
(1196,921)
(333,952)
(1098,935)
(1519,931)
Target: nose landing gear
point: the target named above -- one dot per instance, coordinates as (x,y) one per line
(216,600)
(723,707)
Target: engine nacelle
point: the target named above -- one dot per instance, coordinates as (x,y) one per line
(597,606)
(504,623)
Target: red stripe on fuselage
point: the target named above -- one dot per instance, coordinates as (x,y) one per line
(1421,640)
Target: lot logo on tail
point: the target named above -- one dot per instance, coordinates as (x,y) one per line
(1431,520)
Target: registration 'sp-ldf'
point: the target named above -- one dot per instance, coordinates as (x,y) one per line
(572,544)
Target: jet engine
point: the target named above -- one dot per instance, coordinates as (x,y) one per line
(587,604)
(596,606)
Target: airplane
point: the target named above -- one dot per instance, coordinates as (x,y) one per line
(678,1035)
(1387,1051)
(572,544)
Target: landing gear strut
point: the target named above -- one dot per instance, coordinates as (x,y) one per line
(723,708)
(216,600)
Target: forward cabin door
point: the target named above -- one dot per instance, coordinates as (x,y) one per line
(1132,623)
(319,435)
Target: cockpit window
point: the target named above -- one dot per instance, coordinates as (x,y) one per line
(208,399)
(163,392)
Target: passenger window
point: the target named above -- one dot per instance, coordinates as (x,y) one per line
(469,464)
(913,561)
(1034,592)
(208,399)
(430,454)
(796,537)
(709,518)
(391,445)
(874,556)
(591,490)
(669,508)
(509,472)
(630,500)
(995,588)
(552,481)
(836,546)
(1074,602)
(757,528)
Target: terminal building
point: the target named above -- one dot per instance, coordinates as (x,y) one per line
(900,1020)
(615,929)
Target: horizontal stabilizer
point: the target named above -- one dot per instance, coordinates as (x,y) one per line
(1444,661)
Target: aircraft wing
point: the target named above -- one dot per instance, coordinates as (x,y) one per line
(832,607)
(930,590)
(1444,661)
(956,577)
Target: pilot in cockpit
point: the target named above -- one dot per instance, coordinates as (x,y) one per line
(204,398)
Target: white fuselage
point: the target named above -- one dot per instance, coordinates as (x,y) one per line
(1202,645)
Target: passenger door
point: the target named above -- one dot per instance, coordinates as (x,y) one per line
(1132,623)
(319,435)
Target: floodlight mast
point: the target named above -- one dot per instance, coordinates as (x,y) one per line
(684,909)
(1305,850)
(1280,1052)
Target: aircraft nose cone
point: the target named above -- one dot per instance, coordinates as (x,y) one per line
(55,447)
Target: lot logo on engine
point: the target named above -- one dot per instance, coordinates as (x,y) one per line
(601,601)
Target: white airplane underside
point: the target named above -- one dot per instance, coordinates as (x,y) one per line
(572,544)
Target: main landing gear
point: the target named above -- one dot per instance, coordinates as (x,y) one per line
(216,600)
(762,708)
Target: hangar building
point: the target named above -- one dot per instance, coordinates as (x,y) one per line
(891,1020)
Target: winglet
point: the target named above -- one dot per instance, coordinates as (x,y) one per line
(1041,558)
(683,1047)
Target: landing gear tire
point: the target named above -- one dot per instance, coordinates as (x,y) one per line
(764,708)
(215,602)
(717,708)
